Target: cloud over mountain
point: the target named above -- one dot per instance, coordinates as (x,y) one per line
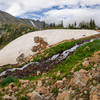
(54,10)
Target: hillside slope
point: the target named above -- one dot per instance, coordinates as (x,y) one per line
(75,78)
(24,44)
(6,18)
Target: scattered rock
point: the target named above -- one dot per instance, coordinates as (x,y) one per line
(38,73)
(58,73)
(95,65)
(37,39)
(85,63)
(96,76)
(42,44)
(34,96)
(83,85)
(65,82)
(66,95)
(6,97)
(42,90)
(39,83)
(24,83)
(13,98)
(21,59)
(11,88)
(35,48)
(98,69)
(59,84)
(95,58)
(82,99)
(95,93)
(80,78)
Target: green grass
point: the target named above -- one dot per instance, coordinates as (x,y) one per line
(82,67)
(55,91)
(51,51)
(9,80)
(32,78)
(65,67)
(24,98)
(81,53)
(56,49)
(5,67)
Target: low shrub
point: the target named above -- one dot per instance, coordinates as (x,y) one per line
(8,80)
(55,91)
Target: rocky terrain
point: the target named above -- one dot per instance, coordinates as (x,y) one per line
(79,85)
(64,65)
(75,78)
(54,59)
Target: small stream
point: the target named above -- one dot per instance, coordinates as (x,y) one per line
(42,66)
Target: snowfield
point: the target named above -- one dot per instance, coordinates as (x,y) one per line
(25,43)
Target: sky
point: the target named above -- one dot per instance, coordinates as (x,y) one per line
(54,10)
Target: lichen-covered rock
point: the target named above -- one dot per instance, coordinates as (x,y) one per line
(58,73)
(95,58)
(59,84)
(24,83)
(41,44)
(39,83)
(37,39)
(66,95)
(6,97)
(65,82)
(35,48)
(95,93)
(21,59)
(80,78)
(11,88)
(42,90)
(13,97)
(85,63)
(34,96)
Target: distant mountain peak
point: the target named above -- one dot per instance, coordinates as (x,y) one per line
(6,18)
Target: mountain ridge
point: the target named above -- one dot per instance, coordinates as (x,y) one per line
(6,18)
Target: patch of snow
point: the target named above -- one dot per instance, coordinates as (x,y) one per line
(58,56)
(25,43)
(33,23)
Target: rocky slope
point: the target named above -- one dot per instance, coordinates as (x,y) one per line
(83,84)
(6,18)
(75,78)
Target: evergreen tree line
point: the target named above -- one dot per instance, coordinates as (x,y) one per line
(81,25)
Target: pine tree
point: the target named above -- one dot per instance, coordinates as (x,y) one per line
(44,25)
(92,24)
(75,25)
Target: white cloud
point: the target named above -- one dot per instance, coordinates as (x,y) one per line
(72,15)
(20,7)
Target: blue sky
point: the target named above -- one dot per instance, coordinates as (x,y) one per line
(54,10)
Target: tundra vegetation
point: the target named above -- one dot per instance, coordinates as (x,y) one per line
(75,77)
(55,78)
